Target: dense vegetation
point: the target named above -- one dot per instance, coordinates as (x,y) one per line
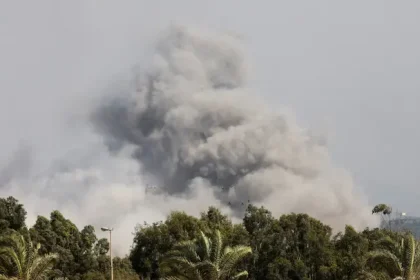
(293,246)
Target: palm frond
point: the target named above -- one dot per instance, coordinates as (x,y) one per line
(365,275)
(42,266)
(387,243)
(186,249)
(20,258)
(203,259)
(178,266)
(15,249)
(208,270)
(171,278)
(204,246)
(383,260)
(232,257)
(408,254)
(217,245)
(240,275)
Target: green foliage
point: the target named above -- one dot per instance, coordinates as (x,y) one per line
(151,242)
(205,258)
(350,250)
(12,215)
(94,275)
(382,209)
(123,269)
(79,254)
(211,246)
(20,259)
(395,258)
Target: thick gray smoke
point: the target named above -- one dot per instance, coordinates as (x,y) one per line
(188,127)
(193,123)
(17,166)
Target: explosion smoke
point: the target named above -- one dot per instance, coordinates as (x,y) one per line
(192,120)
(191,127)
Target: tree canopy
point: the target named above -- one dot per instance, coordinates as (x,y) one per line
(211,246)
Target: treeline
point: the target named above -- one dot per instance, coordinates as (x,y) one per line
(80,254)
(293,246)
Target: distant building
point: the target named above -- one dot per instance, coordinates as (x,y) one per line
(400,221)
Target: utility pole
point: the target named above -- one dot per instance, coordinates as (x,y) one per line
(110,248)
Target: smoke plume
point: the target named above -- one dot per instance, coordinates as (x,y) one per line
(193,122)
(185,133)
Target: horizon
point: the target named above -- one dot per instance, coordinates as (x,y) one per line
(352,83)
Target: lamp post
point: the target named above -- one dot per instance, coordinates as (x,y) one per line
(110,248)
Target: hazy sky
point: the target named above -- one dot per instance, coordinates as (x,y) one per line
(348,68)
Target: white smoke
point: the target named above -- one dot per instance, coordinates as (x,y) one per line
(191,130)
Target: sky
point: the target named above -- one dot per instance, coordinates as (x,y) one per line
(346,69)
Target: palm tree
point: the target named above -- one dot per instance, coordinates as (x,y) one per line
(19,259)
(384,210)
(204,259)
(397,260)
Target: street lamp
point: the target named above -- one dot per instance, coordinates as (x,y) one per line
(110,248)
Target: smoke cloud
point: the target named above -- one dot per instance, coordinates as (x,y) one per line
(192,121)
(185,133)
